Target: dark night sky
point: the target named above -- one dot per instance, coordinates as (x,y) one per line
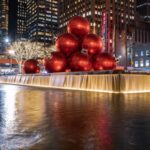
(12,18)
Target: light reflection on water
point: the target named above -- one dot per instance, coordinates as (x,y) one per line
(42,119)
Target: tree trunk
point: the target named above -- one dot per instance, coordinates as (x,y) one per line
(20,67)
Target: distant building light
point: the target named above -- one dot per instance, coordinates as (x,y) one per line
(7,40)
(141,63)
(136,64)
(120,57)
(147,63)
(142,53)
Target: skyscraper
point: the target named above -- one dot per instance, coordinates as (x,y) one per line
(42,20)
(118,16)
(141,48)
(17,19)
(143,8)
(3,24)
(21,25)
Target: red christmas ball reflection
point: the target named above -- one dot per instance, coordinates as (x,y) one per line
(104,61)
(80,62)
(78,26)
(56,63)
(67,44)
(30,66)
(93,44)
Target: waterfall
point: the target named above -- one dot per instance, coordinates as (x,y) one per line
(111,83)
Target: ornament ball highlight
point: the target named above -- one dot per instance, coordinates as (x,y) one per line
(80,62)
(78,26)
(67,44)
(93,44)
(30,66)
(56,63)
(38,69)
(104,61)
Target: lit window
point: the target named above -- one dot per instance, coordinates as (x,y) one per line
(147,63)
(147,53)
(136,64)
(142,53)
(141,63)
(136,54)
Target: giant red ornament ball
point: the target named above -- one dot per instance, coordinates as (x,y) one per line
(78,26)
(104,61)
(37,69)
(80,62)
(56,63)
(68,70)
(67,44)
(30,66)
(93,44)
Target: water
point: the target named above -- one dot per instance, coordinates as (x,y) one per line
(44,119)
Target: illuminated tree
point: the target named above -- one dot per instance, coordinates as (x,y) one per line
(47,51)
(24,50)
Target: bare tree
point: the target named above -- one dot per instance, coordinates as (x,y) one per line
(24,50)
(46,52)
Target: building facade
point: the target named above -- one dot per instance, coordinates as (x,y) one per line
(3,24)
(120,17)
(143,8)
(21,24)
(141,47)
(17,19)
(141,56)
(36,20)
(42,20)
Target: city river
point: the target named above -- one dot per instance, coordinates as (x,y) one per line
(48,119)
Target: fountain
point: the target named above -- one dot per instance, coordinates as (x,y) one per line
(109,83)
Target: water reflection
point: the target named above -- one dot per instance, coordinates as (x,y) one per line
(71,120)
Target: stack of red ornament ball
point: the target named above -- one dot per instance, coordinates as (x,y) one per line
(78,50)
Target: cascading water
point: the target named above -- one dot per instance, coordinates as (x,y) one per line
(114,83)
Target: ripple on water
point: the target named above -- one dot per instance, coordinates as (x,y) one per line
(18,141)
(32,118)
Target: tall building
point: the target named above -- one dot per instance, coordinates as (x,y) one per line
(21,25)
(119,16)
(42,20)
(17,19)
(3,24)
(12,19)
(143,8)
(141,46)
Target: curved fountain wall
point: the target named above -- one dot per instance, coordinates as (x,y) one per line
(109,83)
